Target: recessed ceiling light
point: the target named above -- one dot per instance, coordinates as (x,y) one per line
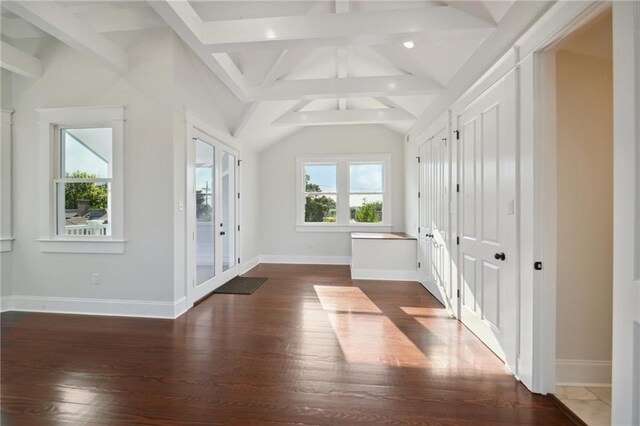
(409,44)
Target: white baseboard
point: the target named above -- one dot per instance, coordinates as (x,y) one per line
(249,264)
(383,274)
(309,260)
(576,372)
(6,303)
(108,307)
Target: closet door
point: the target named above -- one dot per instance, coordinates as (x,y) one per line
(424,239)
(488,255)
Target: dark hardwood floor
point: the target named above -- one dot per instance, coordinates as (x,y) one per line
(310,346)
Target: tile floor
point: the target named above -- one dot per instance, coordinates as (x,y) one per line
(591,404)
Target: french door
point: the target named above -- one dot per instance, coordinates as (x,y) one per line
(211,216)
(487,260)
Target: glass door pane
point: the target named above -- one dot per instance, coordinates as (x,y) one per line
(205,212)
(228,223)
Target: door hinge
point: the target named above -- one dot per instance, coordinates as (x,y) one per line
(457,187)
(239,161)
(445,141)
(238,195)
(458,241)
(238,228)
(418,194)
(238,260)
(457,133)
(458,293)
(537,266)
(418,158)
(418,264)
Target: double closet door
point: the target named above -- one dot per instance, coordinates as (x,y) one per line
(211,215)
(435,256)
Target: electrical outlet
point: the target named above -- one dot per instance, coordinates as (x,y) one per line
(96,279)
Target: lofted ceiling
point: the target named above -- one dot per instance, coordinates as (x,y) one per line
(295,63)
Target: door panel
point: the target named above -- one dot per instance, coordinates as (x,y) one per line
(435,201)
(487,218)
(228,220)
(205,211)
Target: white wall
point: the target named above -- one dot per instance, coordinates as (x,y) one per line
(277,217)
(584,140)
(194,87)
(70,79)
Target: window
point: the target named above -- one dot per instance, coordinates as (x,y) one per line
(85,160)
(366,192)
(344,193)
(82,180)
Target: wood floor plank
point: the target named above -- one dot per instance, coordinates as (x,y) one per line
(309,347)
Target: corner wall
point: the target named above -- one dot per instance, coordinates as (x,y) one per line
(279,239)
(584,93)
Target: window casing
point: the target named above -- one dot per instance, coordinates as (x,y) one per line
(81,181)
(343,193)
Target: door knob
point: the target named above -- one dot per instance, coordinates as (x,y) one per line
(222,233)
(429,235)
(499,256)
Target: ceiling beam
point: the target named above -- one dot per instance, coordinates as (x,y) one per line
(342,55)
(16,61)
(391,104)
(57,21)
(520,16)
(340,29)
(399,85)
(185,21)
(349,116)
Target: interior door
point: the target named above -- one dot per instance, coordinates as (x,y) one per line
(212,213)
(487,260)
(439,199)
(424,240)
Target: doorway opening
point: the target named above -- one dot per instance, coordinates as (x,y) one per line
(581,211)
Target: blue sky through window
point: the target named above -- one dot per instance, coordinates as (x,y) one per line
(323,175)
(365,178)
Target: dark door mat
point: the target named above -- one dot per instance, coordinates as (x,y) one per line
(241,285)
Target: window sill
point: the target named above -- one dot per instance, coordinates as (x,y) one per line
(82,246)
(6,244)
(343,228)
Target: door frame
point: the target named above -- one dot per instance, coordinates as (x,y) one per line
(199,128)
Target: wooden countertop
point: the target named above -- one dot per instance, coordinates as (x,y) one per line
(381,236)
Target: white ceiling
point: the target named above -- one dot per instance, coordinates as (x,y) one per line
(256,68)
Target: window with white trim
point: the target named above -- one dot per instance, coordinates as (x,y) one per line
(342,193)
(82,179)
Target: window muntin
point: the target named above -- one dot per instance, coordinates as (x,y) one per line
(366,192)
(83,181)
(320,191)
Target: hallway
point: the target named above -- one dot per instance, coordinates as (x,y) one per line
(310,346)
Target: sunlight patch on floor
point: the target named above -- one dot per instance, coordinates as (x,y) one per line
(364,334)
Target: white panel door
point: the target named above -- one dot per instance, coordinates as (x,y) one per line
(438,200)
(487,260)
(424,183)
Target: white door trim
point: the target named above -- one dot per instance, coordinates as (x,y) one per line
(198,128)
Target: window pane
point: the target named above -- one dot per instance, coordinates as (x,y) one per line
(320,208)
(365,177)
(228,223)
(320,177)
(83,209)
(366,208)
(87,153)
(205,229)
